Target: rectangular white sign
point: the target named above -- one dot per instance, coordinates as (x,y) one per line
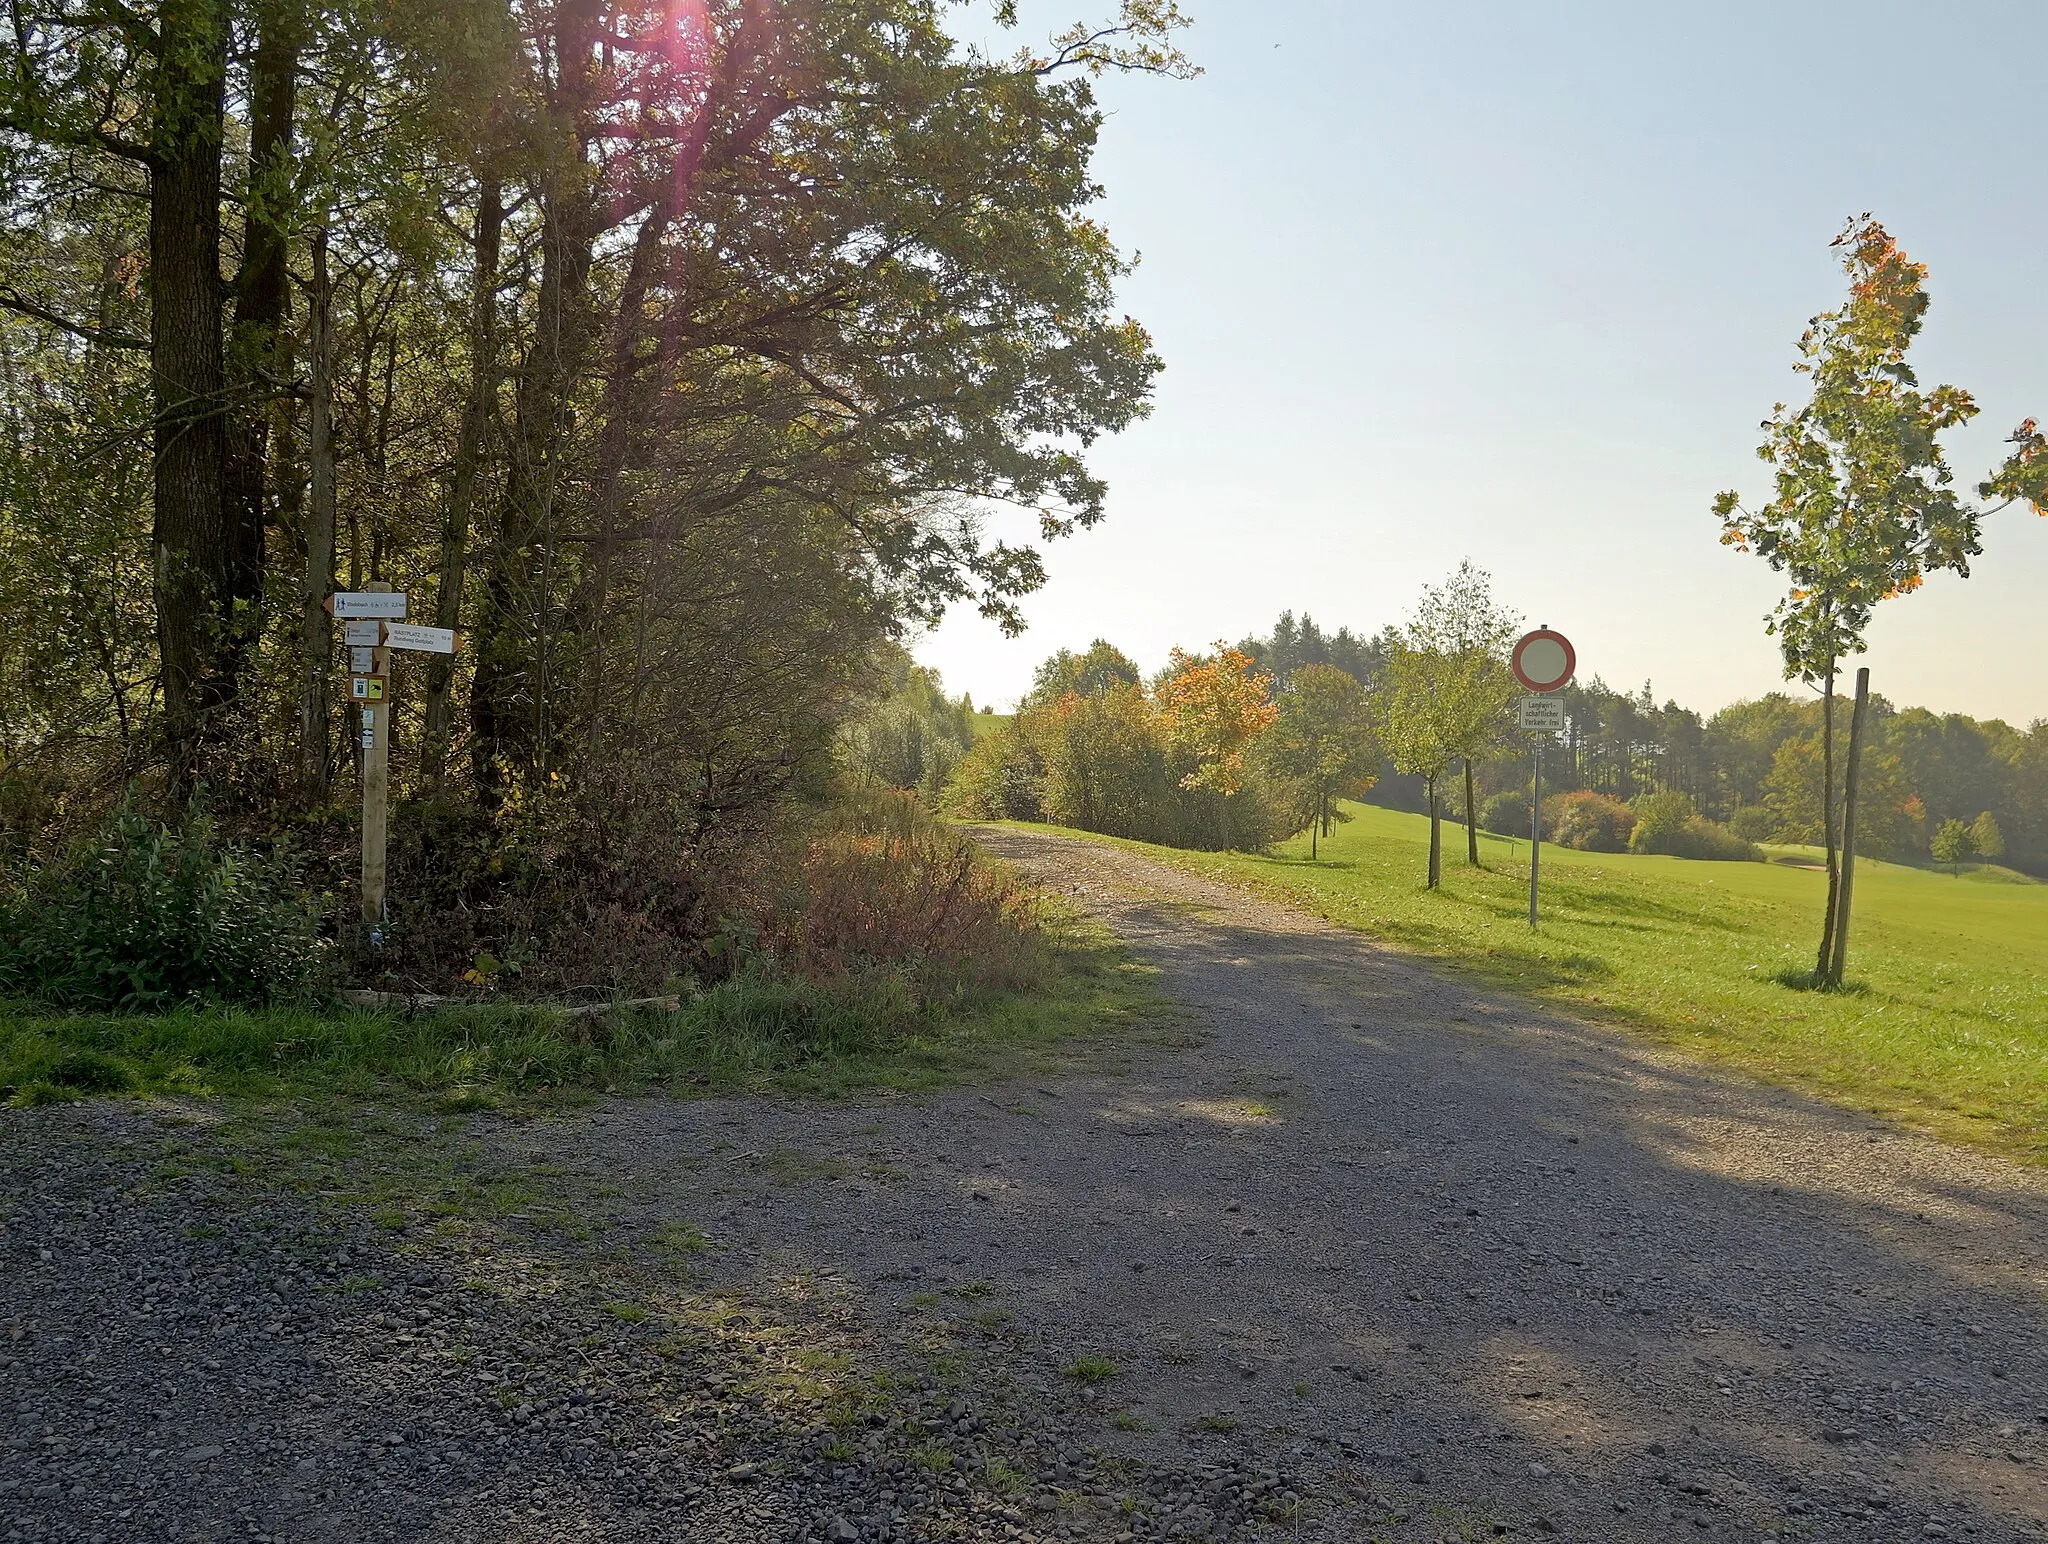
(366,603)
(1543,715)
(363,635)
(362,661)
(424,640)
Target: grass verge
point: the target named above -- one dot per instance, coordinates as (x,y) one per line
(745,1035)
(1945,1025)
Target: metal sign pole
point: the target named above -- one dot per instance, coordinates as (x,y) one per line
(376,794)
(1536,830)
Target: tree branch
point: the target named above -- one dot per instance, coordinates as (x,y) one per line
(12,301)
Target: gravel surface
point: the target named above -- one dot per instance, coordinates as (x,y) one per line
(1370,1255)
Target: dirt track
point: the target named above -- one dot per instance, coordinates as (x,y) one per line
(1448,1265)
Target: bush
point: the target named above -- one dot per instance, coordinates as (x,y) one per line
(1667,823)
(1505,814)
(1588,821)
(1754,823)
(998,779)
(141,916)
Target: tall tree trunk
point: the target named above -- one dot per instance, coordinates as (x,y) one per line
(258,356)
(1471,820)
(469,456)
(1840,960)
(1827,821)
(189,547)
(1436,833)
(317,628)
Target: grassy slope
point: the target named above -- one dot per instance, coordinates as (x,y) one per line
(986,724)
(1945,1027)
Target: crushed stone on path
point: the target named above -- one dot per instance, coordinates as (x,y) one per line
(1383,1257)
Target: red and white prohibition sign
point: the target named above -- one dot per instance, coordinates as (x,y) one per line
(1544,661)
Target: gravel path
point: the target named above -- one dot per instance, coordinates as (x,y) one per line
(1372,1256)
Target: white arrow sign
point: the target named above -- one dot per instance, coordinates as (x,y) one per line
(363,635)
(366,603)
(423,640)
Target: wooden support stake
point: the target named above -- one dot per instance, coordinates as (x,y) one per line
(376,741)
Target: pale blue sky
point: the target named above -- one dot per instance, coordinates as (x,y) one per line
(1518,282)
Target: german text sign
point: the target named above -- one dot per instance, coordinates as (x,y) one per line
(350,604)
(363,635)
(423,640)
(1543,715)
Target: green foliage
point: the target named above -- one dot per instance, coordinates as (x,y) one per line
(1322,746)
(912,736)
(1103,668)
(143,917)
(1506,814)
(1667,824)
(1986,837)
(1953,843)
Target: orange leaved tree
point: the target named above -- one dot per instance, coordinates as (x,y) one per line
(1214,709)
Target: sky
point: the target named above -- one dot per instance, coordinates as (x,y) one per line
(1519,283)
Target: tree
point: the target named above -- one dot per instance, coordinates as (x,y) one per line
(1986,840)
(1425,708)
(1952,844)
(1214,709)
(1322,742)
(1863,507)
(1459,618)
(1102,667)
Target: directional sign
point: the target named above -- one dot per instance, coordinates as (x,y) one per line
(366,688)
(1543,715)
(423,640)
(1544,661)
(367,603)
(363,635)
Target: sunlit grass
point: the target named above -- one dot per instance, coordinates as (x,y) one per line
(741,1036)
(1945,1025)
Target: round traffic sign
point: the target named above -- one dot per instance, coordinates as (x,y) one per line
(1544,661)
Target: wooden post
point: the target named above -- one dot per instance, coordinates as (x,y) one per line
(376,741)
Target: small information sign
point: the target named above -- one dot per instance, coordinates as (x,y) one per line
(366,688)
(1543,715)
(363,635)
(352,604)
(362,661)
(423,640)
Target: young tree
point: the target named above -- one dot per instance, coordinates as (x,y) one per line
(1213,710)
(1424,713)
(1459,618)
(1322,742)
(1952,844)
(1986,839)
(1863,509)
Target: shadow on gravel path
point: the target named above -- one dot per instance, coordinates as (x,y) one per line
(1356,1253)
(1471,1262)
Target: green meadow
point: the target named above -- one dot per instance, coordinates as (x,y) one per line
(1943,1026)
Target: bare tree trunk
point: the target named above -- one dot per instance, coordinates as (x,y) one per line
(1436,833)
(317,628)
(259,344)
(469,456)
(1471,820)
(189,548)
(1827,821)
(1840,960)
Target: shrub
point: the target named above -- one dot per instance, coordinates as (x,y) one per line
(998,779)
(1754,823)
(1588,821)
(142,916)
(1505,814)
(1667,823)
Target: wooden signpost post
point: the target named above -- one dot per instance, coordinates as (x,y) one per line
(1544,662)
(376,626)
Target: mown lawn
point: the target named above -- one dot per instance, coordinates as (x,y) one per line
(1945,1025)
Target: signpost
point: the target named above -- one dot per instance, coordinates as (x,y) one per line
(1543,661)
(376,626)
